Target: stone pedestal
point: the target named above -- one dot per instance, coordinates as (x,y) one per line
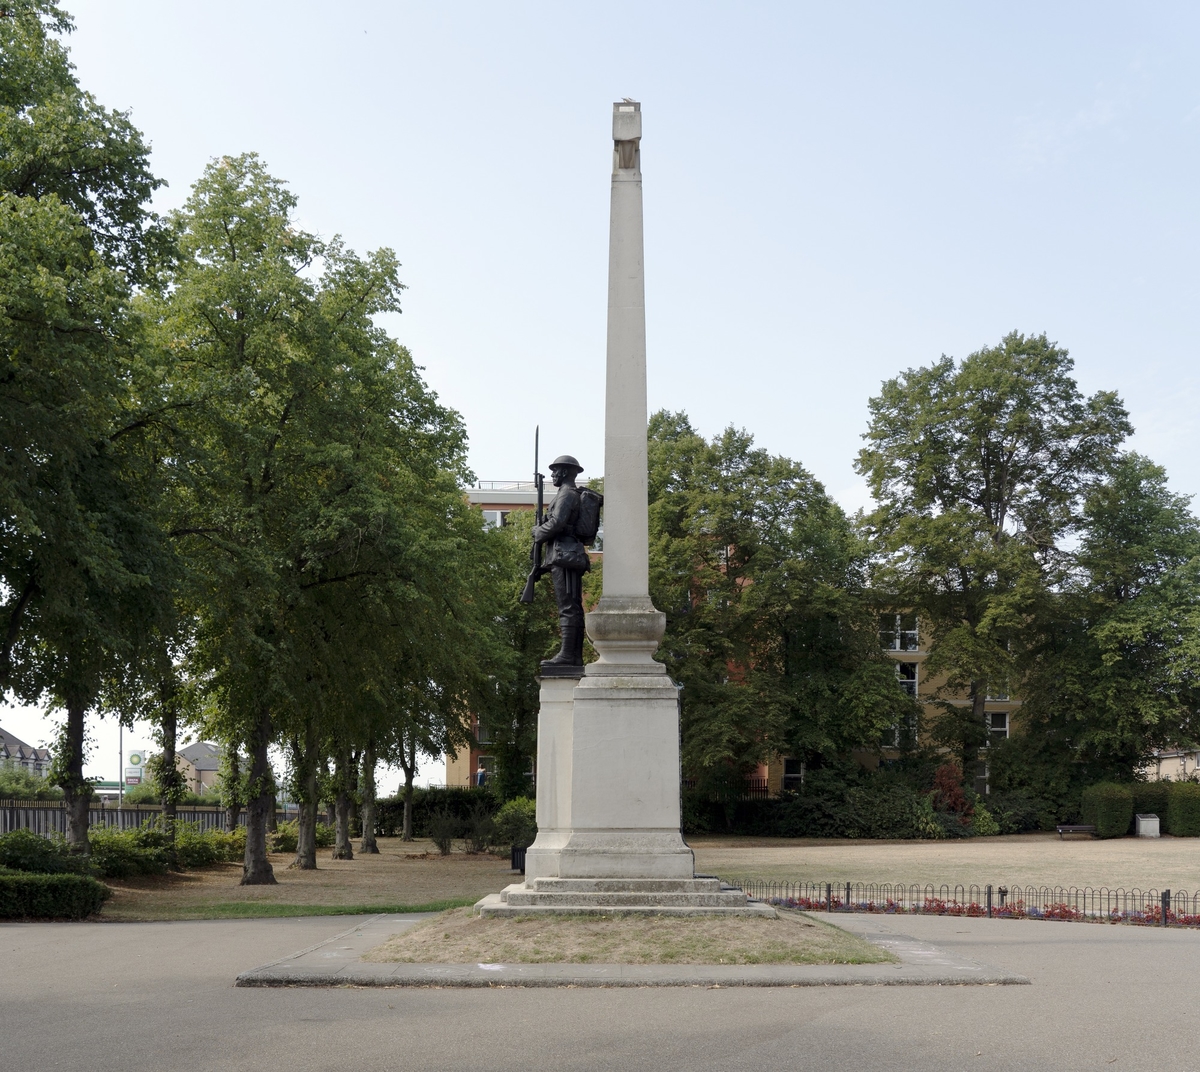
(608,778)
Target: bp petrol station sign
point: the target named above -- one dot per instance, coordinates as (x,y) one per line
(133,772)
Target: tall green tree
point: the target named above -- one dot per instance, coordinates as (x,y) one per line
(322,502)
(82,561)
(980,470)
(769,628)
(1113,670)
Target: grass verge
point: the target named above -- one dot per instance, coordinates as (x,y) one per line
(270,910)
(459,937)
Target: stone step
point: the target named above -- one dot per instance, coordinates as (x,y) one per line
(752,908)
(625,898)
(621,885)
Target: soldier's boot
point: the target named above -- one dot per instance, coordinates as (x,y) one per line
(571,651)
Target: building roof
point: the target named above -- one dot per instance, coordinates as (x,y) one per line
(14,748)
(203,755)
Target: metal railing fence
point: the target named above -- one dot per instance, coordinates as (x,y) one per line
(48,817)
(1150,906)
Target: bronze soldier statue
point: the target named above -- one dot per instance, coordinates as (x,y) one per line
(570,525)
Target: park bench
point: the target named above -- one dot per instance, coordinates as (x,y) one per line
(1068,828)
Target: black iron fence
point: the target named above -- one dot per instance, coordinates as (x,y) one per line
(1154,907)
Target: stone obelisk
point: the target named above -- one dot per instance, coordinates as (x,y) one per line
(608,741)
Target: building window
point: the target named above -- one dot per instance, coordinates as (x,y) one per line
(997,725)
(482,774)
(495,519)
(793,774)
(898,632)
(482,734)
(906,674)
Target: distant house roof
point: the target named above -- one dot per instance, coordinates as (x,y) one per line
(14,748)
(203,755)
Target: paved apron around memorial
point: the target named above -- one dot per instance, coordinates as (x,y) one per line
(338,962)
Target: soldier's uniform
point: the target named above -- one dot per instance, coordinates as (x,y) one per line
(567,559)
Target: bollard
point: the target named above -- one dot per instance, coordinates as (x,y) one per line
(828,896)
(1003,891)
(989,900)
(847,896)
(1166,905)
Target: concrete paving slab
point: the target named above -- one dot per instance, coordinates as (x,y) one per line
(337,962)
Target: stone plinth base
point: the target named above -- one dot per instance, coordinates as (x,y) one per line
(699,896)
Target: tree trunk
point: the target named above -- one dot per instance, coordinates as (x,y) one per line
(257,870)
(77,793)
(342,850)
(233,791)
(170,780)
(409,772)
(352,813)
(272,812)
(971,761)
(305,763)
(367,785)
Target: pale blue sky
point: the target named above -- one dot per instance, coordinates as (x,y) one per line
(833,192)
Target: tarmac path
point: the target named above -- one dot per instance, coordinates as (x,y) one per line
(160,996)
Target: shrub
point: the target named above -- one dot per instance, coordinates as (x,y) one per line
(889,811)
(42,896)
(124,853)
(325,835)
(286,837)
(982,822)
(1150,798)
(443,829)
(456,801)
(516,823)
(1183,809)
(1108,807)
(1018,811)
(948,793)
(23,850)
(479,829)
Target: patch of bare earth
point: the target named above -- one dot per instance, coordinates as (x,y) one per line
(460,937)
(1038,859)
(402,874)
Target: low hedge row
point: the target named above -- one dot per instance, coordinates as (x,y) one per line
(54,896)
(886,810)
(458,802)
(1109,808)
(1112,808)
(1183,809)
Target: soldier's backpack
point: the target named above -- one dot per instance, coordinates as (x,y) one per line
(587,524)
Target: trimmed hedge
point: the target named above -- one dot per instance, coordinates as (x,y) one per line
(887,810)
(62,896)
(1150,798)
(458,802)
(1183,809)
(1109,808)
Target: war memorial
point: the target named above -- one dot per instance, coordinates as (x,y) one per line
(608,806)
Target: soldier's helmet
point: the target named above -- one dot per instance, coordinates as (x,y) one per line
(565,461)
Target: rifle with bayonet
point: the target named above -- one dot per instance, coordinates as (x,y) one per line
(536,569)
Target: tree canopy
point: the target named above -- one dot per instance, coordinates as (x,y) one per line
(770,629)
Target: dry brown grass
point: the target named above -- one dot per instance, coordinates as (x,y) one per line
(401,876)
(459,937)
(1023,859)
